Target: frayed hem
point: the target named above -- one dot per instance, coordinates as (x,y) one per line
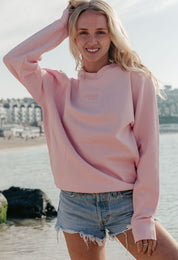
(86,238)
(90,238)
(114,237)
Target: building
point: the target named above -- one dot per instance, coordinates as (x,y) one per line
(3,116)
(18,130)
(21,111)
(168,108)
(19,116)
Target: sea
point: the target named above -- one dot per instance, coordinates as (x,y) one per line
(36,239)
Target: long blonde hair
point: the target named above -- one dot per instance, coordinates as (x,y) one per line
(120,51)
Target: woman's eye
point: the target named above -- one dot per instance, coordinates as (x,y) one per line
(83,33)
(100,32)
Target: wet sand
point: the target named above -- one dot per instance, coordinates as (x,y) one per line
(17,143)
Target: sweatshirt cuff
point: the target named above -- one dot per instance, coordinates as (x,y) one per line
(144,230)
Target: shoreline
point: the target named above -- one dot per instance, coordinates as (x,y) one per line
(19,143)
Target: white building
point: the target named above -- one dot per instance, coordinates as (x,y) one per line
(21,131)
(3,116)
(17,111)
(30,132)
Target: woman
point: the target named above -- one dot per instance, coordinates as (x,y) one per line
(102,133)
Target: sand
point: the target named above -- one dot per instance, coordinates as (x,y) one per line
(16,142)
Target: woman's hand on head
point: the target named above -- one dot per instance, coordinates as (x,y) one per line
(147,246)
(70,6)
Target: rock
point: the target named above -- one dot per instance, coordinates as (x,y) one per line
(3,208)
(28,203)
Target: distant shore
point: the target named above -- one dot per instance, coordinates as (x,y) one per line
(16,142)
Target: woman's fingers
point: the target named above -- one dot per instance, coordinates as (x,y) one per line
(146,246)
(139,246)
(70,6)
(150,248)
(154,245)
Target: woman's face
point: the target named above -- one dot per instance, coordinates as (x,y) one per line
(93,40)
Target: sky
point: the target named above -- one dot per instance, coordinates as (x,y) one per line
(151,27)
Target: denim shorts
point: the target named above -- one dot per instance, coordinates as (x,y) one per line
(95,215)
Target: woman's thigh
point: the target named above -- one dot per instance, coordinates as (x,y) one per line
(79,250)
(167,247)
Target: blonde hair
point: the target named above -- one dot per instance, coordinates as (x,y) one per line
(120,51)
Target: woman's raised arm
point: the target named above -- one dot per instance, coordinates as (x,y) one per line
(22,61)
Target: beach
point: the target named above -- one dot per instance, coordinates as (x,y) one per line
(17,142)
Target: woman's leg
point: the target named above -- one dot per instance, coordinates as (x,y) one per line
(167,247)
(79,250)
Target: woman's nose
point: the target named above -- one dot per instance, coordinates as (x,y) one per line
(92,39)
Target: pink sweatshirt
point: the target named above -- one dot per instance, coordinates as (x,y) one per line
(101,129)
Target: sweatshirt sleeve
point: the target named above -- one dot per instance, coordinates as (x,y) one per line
(146,132)
(22,61)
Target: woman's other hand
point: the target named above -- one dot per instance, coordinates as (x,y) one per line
(147,246)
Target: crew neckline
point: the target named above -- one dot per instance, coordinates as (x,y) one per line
(93,75)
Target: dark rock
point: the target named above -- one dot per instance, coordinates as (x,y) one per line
(28,203)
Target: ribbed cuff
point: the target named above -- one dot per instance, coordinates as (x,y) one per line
(144,230)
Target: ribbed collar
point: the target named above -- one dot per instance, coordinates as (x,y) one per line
(94,75)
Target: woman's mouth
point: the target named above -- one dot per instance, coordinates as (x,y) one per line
(92,50)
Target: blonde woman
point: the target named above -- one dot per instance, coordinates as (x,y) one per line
(102,133)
